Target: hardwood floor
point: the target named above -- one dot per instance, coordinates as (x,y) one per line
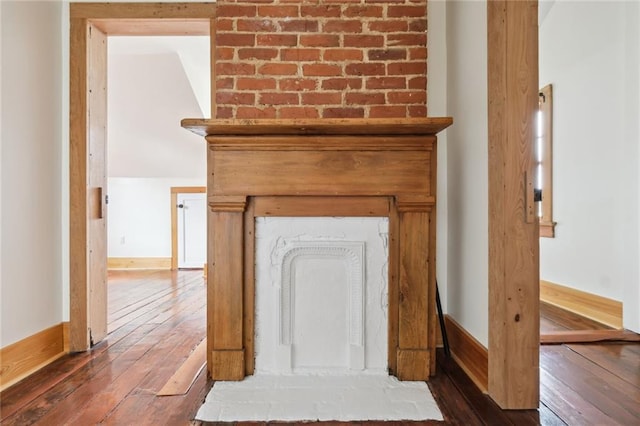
(588,383)
(156,318)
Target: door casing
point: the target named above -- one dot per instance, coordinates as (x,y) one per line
(88,305)
(175,190)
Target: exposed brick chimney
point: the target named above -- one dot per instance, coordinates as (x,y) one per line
(321,58)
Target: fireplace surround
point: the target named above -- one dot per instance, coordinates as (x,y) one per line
(320,167)
(321,295)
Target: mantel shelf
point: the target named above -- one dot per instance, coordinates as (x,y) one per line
(327,126)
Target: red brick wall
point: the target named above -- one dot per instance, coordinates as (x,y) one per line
(321,58)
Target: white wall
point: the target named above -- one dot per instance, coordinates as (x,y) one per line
(467,160)
(1,241)
(148,95)
(632,294)
(437,107)
(193,54)
(631,291)
(31,259)
(149,92)
(140,215)
(589,52)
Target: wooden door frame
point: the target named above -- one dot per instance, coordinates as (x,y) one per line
(151,19)
(175,190)
(514,284)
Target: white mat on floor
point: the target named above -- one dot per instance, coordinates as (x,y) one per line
(311,398)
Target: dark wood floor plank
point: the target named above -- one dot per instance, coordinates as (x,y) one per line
(451,401)
(127,297)
(134,335)
(150,312)
(482,406)
(133,407)
(158,304)
(548,417)
(547,325)
(193,302)
(622,360)
(613,396)
(172,408)
(17,396)
(125,291)
(95,374)
(114,385)
(182,330)
(106,400)
(568,404)
(568,320)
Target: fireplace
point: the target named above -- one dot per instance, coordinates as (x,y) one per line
(351,168)
(321,295)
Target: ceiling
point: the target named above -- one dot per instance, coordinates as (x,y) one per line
(154,82)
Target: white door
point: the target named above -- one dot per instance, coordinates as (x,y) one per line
(192,230)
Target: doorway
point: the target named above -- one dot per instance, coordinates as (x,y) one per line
(188,227)
(590,270)
(91,24)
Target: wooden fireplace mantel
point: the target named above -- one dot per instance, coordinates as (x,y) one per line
(321,167)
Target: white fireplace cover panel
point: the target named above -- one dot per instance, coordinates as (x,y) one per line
(321,295)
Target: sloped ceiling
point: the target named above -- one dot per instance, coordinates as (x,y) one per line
(544,6)
(149,92)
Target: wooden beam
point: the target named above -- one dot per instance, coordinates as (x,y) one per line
(78,259)
(512,34)
(153,27)
(134,10)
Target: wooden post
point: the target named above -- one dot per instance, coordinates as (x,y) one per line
(514,317)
